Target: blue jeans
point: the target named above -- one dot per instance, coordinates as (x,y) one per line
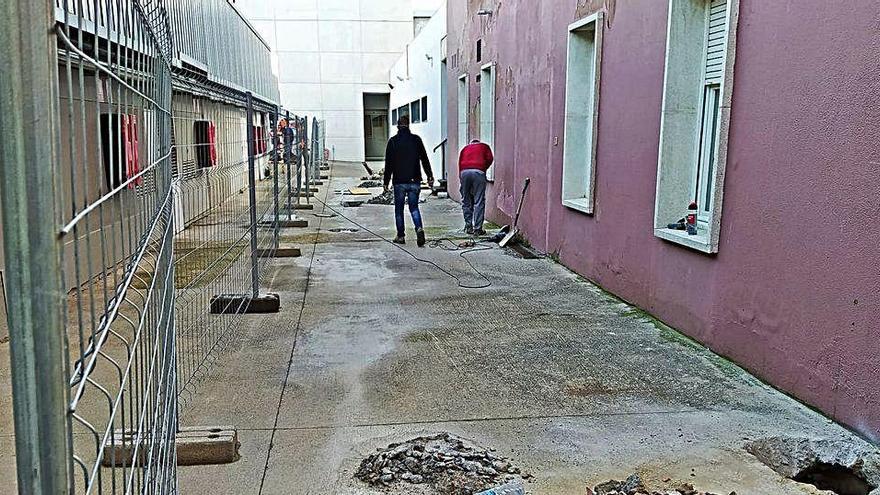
(473,197)
(410,193)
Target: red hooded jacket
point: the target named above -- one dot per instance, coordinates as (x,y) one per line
(475,156)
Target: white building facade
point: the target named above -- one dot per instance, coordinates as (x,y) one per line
(333,59)
(418,79)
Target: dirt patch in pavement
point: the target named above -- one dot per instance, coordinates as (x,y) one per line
(445,463)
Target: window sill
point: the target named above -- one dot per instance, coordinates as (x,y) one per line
(580,204)
(698,242)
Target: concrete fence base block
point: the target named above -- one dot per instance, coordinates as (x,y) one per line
(299,223)
(303,207)
(196,446)
(324,177)
(325,167)
(352,202)
(245,304)
(281,252)
(318,182)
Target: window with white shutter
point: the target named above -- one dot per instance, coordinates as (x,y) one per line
(713,73)
(698,89)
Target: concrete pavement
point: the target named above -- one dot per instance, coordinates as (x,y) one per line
(373,346)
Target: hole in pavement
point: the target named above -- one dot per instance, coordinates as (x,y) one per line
(339,230)
(838,479)
(841,467)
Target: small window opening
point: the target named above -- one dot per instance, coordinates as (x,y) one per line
(203,140)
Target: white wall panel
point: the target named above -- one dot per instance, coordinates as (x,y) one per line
(376,67)
(301,97)
(340,68)
(350,123)
(340,9)
(386,10)
(295,9)
(296,36)
(388,37)
(299,67)
(340,36)
(342,96)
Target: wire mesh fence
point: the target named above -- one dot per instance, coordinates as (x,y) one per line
(150,203)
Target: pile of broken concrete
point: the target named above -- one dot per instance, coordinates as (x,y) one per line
(634,486)
(386,198)
(451,465)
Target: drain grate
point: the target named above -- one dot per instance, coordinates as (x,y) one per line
(342,230)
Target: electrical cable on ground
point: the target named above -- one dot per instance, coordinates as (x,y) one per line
(462,285)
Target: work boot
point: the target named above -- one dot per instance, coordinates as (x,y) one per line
(420,237)
(479,232)
(399,240)
(469,230)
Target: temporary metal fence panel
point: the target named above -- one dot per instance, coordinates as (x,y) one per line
(147,204)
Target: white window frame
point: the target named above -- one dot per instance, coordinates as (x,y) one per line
(582,113)
(681,127)
(487,110)
(463,104)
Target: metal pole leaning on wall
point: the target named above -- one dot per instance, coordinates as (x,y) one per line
(28,106)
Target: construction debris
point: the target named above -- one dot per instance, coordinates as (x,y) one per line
(634,486)
(386,198)
(377,175)
(449,464)
(371,183)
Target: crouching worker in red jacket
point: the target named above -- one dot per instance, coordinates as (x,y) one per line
(473,162)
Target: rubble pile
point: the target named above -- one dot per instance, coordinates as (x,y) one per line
(634,486)
(386,198)
(451,465)
(376,175)
(371,183)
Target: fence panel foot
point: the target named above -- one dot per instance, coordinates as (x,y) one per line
(224,304)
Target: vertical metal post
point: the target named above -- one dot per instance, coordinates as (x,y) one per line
(305,158)
(28,132)
(252,196)
(297,144)
(277,227)
(288,156)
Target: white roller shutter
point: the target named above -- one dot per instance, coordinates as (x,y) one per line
(716,41)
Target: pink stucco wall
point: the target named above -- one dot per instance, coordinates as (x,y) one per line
(794,292)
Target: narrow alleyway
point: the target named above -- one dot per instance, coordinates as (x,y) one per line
(573,385)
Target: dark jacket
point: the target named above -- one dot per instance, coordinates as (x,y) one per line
(402,157)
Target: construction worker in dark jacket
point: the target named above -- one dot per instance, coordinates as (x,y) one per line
(404,153)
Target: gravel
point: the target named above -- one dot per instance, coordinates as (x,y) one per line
(449,464)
